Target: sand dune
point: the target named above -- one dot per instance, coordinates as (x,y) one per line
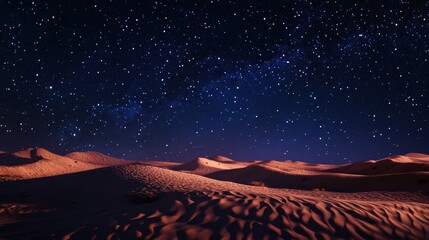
(272,177)
(96,158)
(205,166)
(137,201)
(420,156)
(396,164)
(295,166)
(17,158)
(35,163)
(222,159)
(398,173)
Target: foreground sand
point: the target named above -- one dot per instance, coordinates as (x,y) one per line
(123,200)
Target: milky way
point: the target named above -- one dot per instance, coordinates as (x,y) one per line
(332,81)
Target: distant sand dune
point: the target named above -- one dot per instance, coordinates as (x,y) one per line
(205,166)
(396,164)
(294,166)
(413,181)
(35,163)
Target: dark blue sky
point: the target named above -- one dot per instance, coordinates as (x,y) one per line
(320,81)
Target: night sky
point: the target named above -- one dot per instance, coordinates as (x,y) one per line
(330,82)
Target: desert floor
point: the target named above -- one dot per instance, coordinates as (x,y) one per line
(92,196)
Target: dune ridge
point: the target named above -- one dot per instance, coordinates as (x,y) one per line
(96,158)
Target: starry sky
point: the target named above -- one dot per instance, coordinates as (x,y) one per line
(320,81)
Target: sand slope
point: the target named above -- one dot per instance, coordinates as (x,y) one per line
(96,158)
(163,164)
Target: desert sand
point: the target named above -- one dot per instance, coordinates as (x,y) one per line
(93,196)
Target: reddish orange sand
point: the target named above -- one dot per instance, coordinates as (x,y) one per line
(93,196)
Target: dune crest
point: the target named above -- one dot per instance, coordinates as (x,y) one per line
(96,158)
(222,159)
(418,156)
